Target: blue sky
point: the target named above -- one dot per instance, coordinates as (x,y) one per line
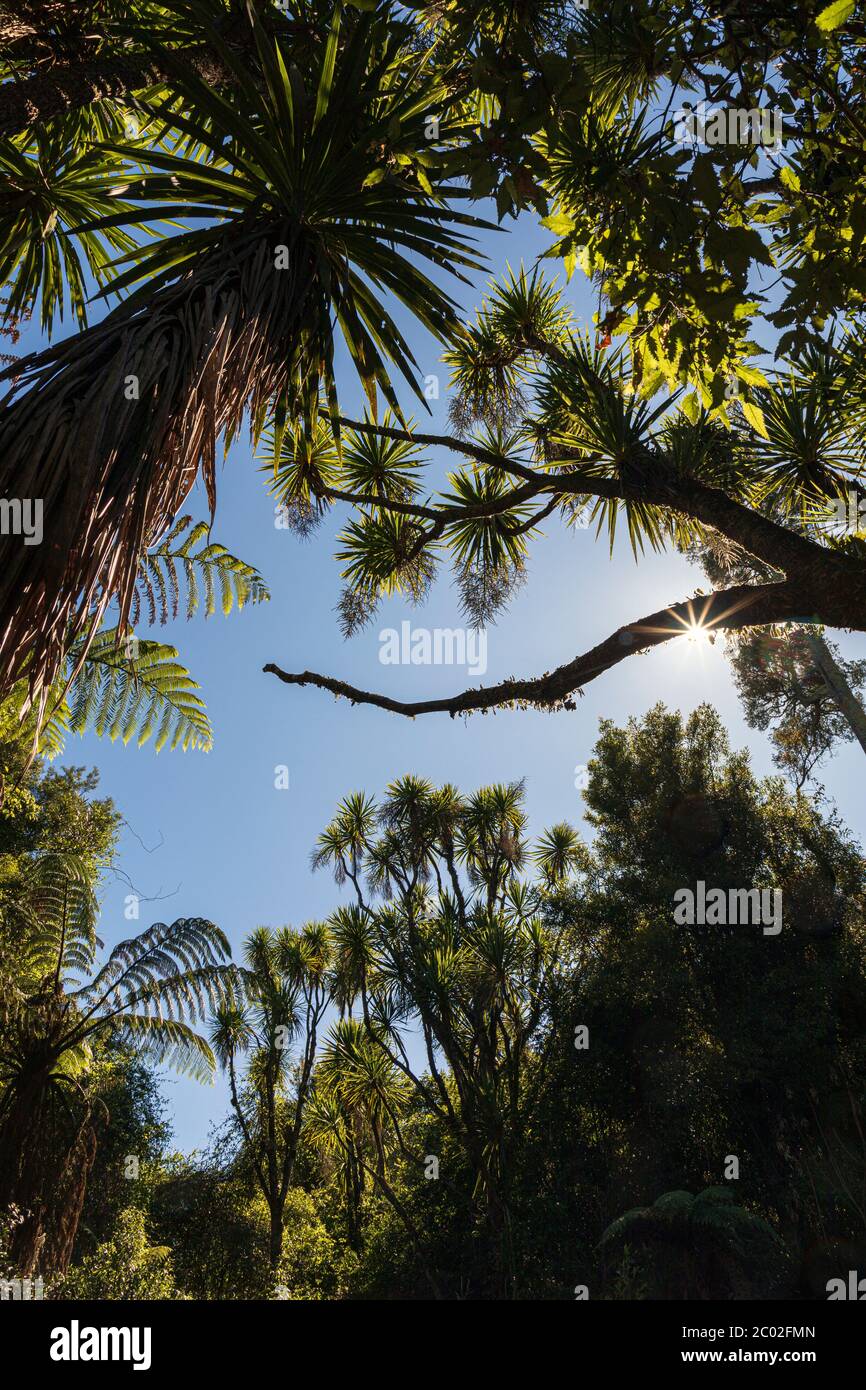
(210,835)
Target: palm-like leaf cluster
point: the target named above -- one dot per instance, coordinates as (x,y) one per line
(444,934)
(53,185)
(492,360)
(286,972)
(308,469)
(788,445)
(319,192)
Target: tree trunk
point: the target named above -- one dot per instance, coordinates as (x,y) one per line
(842,694)
(275,1244)
(412,1230)
(208,348)
(502,1241)
(44,1167)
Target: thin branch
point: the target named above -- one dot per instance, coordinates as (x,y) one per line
(458,446)
(745,605)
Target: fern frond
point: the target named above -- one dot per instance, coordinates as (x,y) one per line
(187,560)
(58,906)
(137,689)
(168,1042)
(190,944)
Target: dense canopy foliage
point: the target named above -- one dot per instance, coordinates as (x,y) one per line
(499,1066)
(331,158)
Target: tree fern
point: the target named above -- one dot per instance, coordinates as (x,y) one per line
(169,1042)
(132,687)
(53,912)
(188,565)
(141,962)
(126,689)
(147,995)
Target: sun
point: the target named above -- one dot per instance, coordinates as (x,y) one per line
(697,635)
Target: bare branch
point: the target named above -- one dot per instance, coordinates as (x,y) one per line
(745,605)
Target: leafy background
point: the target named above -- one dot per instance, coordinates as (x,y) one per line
(208,835)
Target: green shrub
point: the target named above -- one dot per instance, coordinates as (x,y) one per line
(124,1267)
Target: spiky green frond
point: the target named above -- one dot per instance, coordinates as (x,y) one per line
(186,558)
(360,1073)
(345,839)
(134,688)
(807,450)
(54,183)
(231,1033)
(558,852)
(493,358)
(260,953)
(294,153)
(300,465)
(492,827)
(384,551)
(355,950)
(490,541)
(619,51)
(376,466)
(326,1122)
(168,1042)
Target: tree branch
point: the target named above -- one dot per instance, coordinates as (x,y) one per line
(745,605)
(783,549)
